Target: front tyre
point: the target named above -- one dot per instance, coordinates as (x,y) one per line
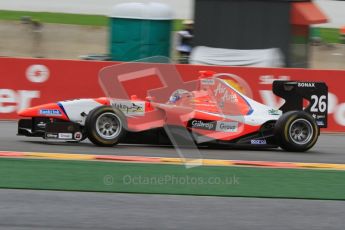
(105,126)
(296,131)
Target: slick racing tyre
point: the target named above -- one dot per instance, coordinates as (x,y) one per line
(296,131)
(105,126)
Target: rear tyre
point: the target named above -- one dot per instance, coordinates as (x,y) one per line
(105,126)
(296,131)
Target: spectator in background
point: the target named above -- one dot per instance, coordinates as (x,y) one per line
(185,38)
(37,28)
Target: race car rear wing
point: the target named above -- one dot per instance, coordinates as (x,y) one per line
(316,93)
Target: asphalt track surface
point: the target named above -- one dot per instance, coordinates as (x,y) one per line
(32,210)
(330,148)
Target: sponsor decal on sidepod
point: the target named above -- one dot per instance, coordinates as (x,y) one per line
(219,126)
(273,112)
(199,124)
(52,135)
(65,136)
(130,108)
(50,112)
(227,127)
(258,142)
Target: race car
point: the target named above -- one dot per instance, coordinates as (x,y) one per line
(216,113)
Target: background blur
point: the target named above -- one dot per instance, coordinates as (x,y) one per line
(70,29)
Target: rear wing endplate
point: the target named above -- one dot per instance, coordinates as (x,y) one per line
(293,92)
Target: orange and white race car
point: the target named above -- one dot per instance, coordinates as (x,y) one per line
(214,114)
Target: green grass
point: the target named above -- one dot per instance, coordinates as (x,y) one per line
(62,18)
(171,179)
(328,35)
(177,25)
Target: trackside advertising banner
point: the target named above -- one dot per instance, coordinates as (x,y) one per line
(30,82)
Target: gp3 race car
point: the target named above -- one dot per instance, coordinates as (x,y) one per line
(216,114)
